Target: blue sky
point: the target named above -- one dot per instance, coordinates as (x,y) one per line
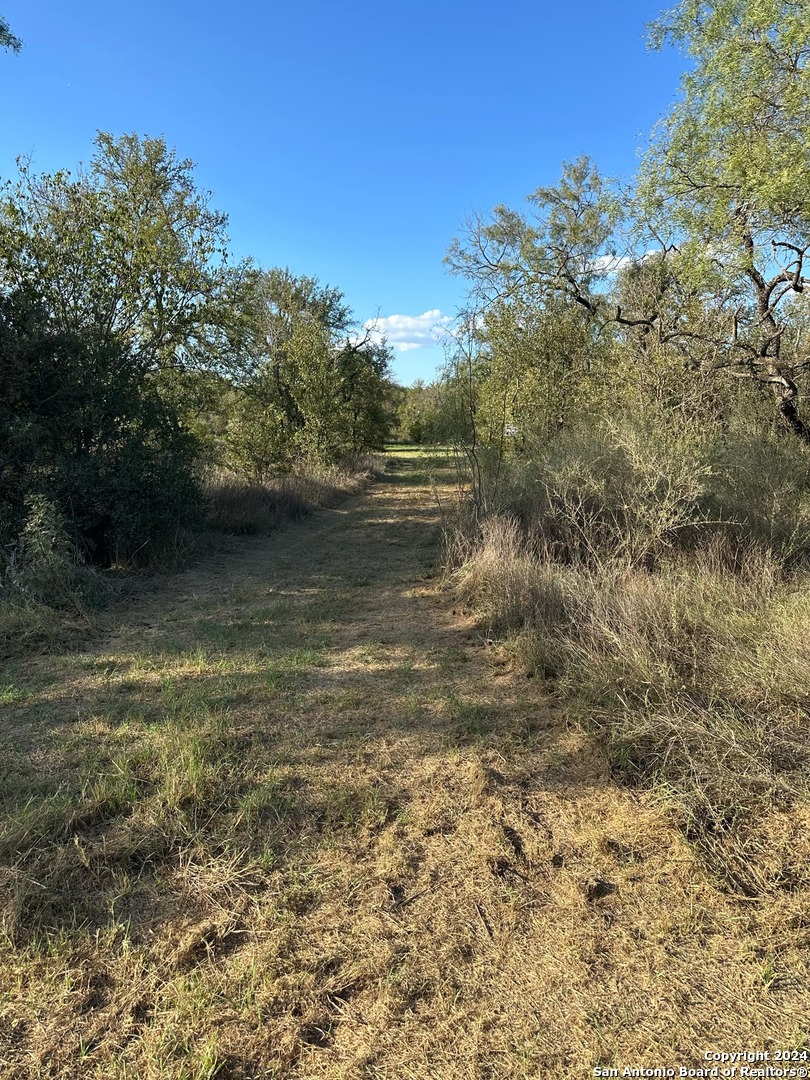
(350,140)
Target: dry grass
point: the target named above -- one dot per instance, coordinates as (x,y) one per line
(253,507)
(291,820)
(689,659)
(632,491)
(53,598)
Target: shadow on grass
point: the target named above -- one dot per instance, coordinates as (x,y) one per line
(227,728)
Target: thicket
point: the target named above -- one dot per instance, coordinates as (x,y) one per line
(632,374)
(138,364)
(83,429)
(427,414)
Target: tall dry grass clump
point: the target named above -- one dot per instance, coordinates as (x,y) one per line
(660,583)
(502,578)
(47,591)
(243,506)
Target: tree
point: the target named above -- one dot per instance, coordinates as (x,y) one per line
(129,249)
(7,39)
(416,412)
(566,246)
(309,384)
(717,233)
(82,428)
(727,179)
(539,307)
(368,393)
(543,367)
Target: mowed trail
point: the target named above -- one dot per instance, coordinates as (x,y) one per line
(401,862)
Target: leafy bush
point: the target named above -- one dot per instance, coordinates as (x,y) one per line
(82,427)
(46,568)
(47,592)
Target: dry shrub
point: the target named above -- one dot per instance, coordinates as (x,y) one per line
(247,507)
(664,595)
(694,678)
(761,489)
(687,631)
(621,492)
(503,580)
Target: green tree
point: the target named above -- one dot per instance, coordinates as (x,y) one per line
(310,384)
(725,183)
(543,366)
(368,393)
(566,246)
(538,328)
(7,39)
(129,249)
(82,427)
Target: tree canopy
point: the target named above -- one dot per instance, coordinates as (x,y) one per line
(134,353)
(725,181)
(128,247)
(699,268)
(7,39)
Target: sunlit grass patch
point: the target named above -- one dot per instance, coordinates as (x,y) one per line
(11,694)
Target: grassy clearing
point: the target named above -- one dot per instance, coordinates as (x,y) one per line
(291,820)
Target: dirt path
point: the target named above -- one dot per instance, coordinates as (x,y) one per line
(295,819)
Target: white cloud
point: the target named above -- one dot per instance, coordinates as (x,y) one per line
(405,332)
(612,264)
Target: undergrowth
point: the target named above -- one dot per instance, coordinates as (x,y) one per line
(290,821)
(51,595)
(659,582)
(252,507)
